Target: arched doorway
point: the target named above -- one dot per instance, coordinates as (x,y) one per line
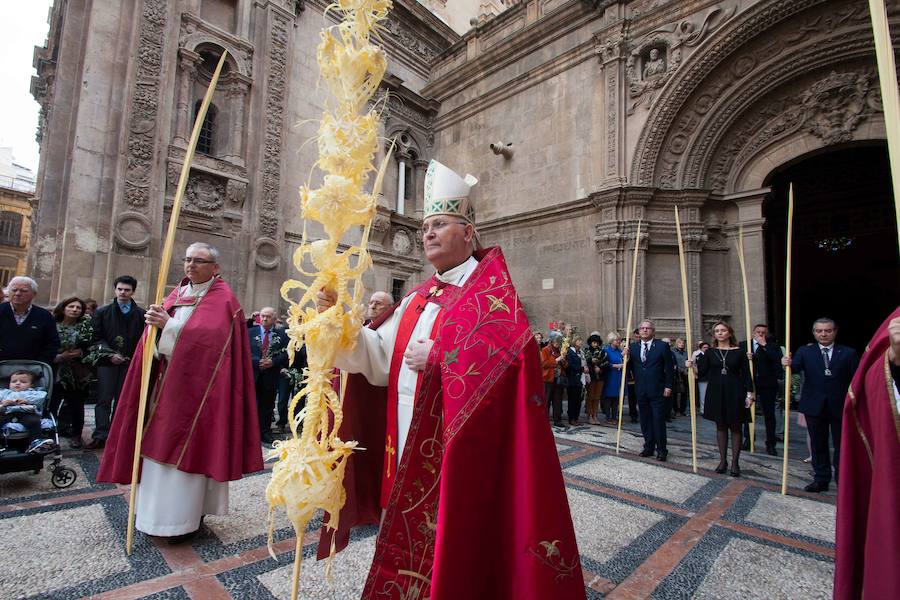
(845,259)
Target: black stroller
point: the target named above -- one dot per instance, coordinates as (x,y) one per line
(17,454)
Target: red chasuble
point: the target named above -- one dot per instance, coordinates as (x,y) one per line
(478,508)
(201,413)
(867,562)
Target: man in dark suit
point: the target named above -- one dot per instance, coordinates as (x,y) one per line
(766,356)
(828,369)
(268,346)
(117,329)
(651,362)
(26,331)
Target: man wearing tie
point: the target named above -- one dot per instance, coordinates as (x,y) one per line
(766,356)
(653,366)
(268,346)
(828,369)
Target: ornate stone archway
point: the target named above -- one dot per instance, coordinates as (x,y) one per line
(778,81)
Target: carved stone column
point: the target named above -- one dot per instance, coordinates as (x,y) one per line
(614,236)
(610,44)
(419,169)
(750,217)
(188,61)
(237,99)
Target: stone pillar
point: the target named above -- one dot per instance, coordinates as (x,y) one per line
(694,237)
(610,44)
(419,169)
(188,60)
(614,238)
(401,186)
(237,98)
(750,218)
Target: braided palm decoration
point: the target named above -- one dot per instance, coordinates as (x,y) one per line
(310,469)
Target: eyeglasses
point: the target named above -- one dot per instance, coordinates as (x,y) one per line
(197,261)
(437,226)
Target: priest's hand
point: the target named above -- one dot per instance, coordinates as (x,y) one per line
(667,392)
(156,315)
(416,355)
(325,299)
(894,336)
(786,360)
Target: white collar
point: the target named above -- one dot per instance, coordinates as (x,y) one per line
(829,348)
(458,274)
(198,288)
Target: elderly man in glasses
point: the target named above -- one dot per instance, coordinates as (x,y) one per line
(451,411)
(201,429)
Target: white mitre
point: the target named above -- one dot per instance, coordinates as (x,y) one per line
(447,193)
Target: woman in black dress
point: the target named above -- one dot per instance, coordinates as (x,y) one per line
(729,392)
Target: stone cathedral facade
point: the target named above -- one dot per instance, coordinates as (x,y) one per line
(579,118)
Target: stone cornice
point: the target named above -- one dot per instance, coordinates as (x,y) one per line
(568,210)
(537,34)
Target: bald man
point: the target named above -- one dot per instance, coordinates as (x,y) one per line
(378,303)
(268,349)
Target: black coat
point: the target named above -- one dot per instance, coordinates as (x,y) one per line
(35,339)
(767,369)
(109,323)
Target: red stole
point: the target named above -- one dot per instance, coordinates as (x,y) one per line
(868,508)
(201,414)
(404,332)
(478,507)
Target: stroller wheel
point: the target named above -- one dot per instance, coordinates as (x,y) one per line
(63,477)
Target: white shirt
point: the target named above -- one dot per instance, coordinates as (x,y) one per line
(374,349)
(172,328)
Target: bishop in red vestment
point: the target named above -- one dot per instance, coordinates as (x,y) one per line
(867,562)
(461,467)
(201,429)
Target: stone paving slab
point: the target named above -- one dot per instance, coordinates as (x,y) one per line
(800,518)
(650,480)
(727,564)
(627,511)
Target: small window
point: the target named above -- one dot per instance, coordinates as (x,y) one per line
(206,141)
(10,228)
(408,184)
(5,276)
(397,286)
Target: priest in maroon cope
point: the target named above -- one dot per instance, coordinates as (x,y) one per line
(867,561)
(460,466)
(201,429)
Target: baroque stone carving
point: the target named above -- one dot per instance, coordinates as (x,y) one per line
(836,104)
(721,70)
(132,230)
(267,255)
(658,54)
(235,193)
(275,94)
(381,224)
(409,40)
(145,104)
(402,243)
(832,108)
(205,193)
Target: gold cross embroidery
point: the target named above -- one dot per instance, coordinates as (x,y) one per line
(389,450)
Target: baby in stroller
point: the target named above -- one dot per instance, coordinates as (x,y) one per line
(21,407)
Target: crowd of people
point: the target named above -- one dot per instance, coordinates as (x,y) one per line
(220,380)
(656,386)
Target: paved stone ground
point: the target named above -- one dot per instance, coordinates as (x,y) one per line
(645,530)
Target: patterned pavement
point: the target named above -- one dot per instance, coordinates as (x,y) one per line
(645,530)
